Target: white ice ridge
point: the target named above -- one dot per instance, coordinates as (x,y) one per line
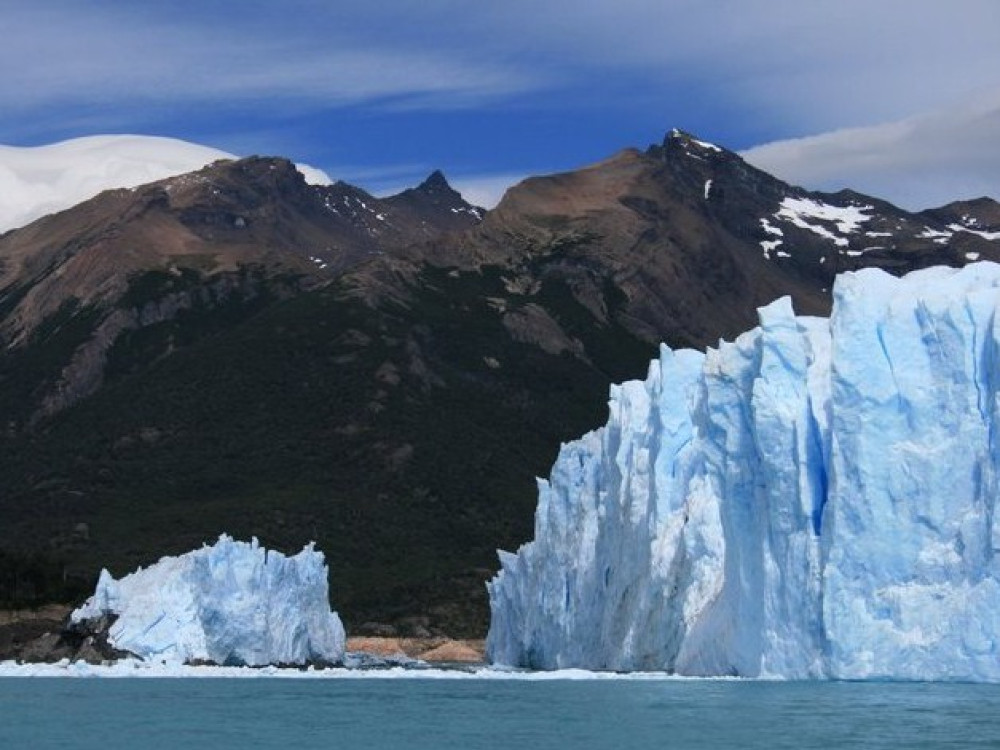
(40,180)
(815,499)
(234,603)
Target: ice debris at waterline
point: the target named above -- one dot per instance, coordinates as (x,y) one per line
(234,603)
(815,499)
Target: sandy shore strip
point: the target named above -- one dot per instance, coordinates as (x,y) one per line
(433,650)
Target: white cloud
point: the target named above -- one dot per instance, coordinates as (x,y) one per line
(113,54)
(314,175)
(796,66)
(746,67)
(486,190)
(382,178)
(39,180)
(42,180)
(918,162)
(792,65)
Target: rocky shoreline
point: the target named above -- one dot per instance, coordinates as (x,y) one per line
(46,635)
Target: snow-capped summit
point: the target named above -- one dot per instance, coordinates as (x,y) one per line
(815,499)
(39,180)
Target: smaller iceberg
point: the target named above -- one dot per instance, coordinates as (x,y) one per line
(234,603)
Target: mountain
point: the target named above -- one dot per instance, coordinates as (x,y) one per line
(235,350)
(815,499)
(137,257)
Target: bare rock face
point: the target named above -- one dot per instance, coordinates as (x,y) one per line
(76,641)
(197,234)
(20,628)
(532,324)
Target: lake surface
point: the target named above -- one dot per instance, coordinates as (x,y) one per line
(467,714)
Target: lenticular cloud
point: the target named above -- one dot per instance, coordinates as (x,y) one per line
(41,180)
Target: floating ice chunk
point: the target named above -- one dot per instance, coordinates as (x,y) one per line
(233,603)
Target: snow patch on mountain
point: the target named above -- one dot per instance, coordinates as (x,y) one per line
(685,139)
(978,232)
(805,212)
(937,236)
(706,145)
(815,499)
(39,180)
(234,603)
(770,245)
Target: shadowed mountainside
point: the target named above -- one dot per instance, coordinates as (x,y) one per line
(234,350)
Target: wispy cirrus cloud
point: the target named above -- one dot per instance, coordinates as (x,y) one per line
(797,66)
(807,66)
(917,162)
(504,87)
(112,55)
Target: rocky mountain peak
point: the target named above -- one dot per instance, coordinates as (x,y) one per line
(700,169)
(435,182)
(436,196)
(680,141)
(977,214)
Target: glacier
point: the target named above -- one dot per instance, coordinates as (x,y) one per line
(233,603)
(815,499)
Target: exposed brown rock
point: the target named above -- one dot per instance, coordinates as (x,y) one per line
(435,650)
(455,651)
(47,635)
(215,223)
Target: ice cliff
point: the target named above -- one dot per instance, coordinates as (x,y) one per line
(815,499)
(233,603)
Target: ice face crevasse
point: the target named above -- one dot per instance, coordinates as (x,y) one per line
(815,499)
(234,603)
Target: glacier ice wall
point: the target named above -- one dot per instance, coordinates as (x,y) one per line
(814,499)
(234,603)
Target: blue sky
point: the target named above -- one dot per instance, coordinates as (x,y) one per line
(896,97)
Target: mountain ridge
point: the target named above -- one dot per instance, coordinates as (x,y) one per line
(396,403)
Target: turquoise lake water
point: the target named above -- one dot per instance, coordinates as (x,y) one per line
(476,713)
